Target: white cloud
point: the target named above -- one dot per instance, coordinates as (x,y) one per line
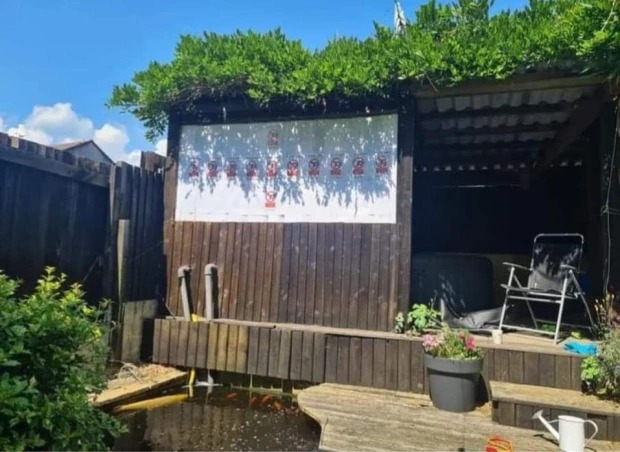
(36,135)
(113,140)
(59,123)
(60,120)
(133,158)
(161,147)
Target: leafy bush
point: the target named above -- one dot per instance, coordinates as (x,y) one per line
(419,319)
(52,356)
(451,344)
(607,314)
(601,373)
(444,45)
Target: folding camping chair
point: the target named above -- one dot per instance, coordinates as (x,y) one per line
(552,278)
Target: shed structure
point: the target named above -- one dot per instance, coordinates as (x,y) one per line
(482,168)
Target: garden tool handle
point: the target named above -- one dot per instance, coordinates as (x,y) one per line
(595,430)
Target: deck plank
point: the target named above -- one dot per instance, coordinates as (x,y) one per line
(354,418)
(552,398)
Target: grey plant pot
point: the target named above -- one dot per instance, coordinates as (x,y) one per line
(453,383)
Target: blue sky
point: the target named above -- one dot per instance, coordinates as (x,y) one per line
(61,58)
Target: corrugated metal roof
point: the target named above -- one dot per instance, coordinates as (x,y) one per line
(500,130)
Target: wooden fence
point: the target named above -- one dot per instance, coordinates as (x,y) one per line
(100,225)
(135,239)
(314,354)
(53,212)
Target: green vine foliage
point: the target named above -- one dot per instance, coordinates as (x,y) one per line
(52,357)
(444,45)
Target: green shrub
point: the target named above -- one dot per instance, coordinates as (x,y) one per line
(420,318)
(52,356)
(446,43)
(601,373)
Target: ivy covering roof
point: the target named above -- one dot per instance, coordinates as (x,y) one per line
(443,46)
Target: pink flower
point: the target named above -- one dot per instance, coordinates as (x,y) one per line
(469,344)
(431,341)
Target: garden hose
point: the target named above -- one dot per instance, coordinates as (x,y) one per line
(192,372)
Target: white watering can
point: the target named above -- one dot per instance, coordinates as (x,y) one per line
(572,431)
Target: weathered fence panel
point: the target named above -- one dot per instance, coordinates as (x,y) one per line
(62,211)
(53,212)
(136,195)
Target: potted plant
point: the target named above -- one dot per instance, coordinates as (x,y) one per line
(453,362)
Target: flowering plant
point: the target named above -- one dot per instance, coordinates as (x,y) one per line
(451,344)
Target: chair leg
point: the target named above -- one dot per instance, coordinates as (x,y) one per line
(559,322)
(501,319)
(582,297)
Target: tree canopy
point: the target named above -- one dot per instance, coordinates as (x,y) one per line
(442,46)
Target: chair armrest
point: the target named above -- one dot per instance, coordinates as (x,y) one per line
(569,267)
(520,267)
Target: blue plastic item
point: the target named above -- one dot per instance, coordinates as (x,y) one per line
(580,348)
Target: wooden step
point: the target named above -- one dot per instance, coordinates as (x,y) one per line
(515,404)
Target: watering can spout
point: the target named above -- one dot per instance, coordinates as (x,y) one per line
(538,415)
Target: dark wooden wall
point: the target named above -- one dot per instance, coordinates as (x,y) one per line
(53,212)
(314,355)
(345,275)
(499,219)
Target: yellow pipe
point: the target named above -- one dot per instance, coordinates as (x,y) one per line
(151,403)
(165,400)
(192,373)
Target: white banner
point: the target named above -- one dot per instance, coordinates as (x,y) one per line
(310,171)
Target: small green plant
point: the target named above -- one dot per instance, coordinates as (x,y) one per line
(420,318)
(451,344)
(399,323)
(549,327)
(601,373)
(52,358)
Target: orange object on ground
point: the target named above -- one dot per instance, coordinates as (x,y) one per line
(232,396)
(497,444)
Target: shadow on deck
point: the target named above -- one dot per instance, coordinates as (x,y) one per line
(354,418)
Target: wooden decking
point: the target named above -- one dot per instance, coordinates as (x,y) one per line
(355,418)
(348,356)
(127,390)
(514,405)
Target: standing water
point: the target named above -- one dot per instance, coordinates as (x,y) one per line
(222,420)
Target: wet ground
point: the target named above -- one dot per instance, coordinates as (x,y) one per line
(223,420)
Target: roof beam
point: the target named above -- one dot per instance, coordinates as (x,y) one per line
(581,118)
(542,108)
(475,178)
(517,83)
(489,160)
(485,147)
(486,131)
